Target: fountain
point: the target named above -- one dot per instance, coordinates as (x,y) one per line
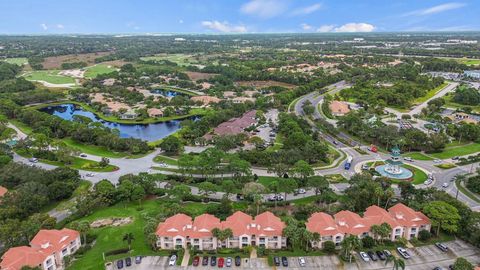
(393,167)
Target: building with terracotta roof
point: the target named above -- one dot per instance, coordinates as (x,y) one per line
(155,112)
(3,191)
(339,108)
(205,99)
(404,221)
(47,250)
(180,231)
(234,126)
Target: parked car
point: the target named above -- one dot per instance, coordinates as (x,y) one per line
(372,255)
(437,268)
(83,155)
(408,159)
(441,246)
(301,191)
(33,160)
(120,264)
(285,261)
(280,198)
(445,185)
(301,261)
(455,158)
(238,261)
(335,142)
(437,161)
(228,262)
(173,260)
(138,260)
(276,261)
(221,262)
(128,261)
(364,256)
(213,261)
(403,252)
(365,167)
(205,261)
(428,182)
(196,261)
(272,198)
(90,174)
(387,253)
(381,255)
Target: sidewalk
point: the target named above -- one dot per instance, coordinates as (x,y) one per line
(186,258)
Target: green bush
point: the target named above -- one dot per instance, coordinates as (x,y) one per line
(368,242)
(329,247)
(424,235)
(116,251)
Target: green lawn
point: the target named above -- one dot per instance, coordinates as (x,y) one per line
(93,71)
(463,150)
(336,178)
(429,94)
(419,176)
(446,166)
(166,160)
(451,104)
(417,156)
(93,149)
(466,191)
(17,61)
(68,203)
(21,126)
(266,180)
(49,76)
(179,59)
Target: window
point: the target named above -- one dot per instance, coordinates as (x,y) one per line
(244,239)
(49,261)
(64,252)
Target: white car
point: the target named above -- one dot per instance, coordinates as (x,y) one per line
(301,261)
(90,174)
(301,191)
(403,252)
(408,158)
(172,261)
(445,185)
(364,256)
(437,161)
(427,182)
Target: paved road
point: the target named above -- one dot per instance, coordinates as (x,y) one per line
(449,88)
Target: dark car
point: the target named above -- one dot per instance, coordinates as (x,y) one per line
(205,261)
(437,268)
(120,264)
(196,261)
(372,255)
(285,261)
(128,261)
(441,246)
(138,260)
(381,255)
(276,260)
(213,261)
(238,261)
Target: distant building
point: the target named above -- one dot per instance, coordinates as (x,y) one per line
(205,99)
(475,74)
(463,117)
(155,112)
(234,126)
(3,191)
(339,108)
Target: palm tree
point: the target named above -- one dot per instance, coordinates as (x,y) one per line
(389,193)
(129,237)
(375,229)
(384,232)
(378,191)
(349,244)
(398,263)
(84,228)
(307,238)
(257,199)
(316,237)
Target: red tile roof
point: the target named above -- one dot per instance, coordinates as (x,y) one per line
(238,222)
(3,191)
(323,224)
(51,241)
(378,216)
(351,223)
(268,224)
(235,125)
(204,224)
(174,225)
(17,257)
(408,217)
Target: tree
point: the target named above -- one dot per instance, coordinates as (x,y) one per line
(329,247)
(280,169)
(368,242)
(138,193)
(302,169)
(83,227)
(106,191)
(443,215)
(307,107)
(128,237)
(462,264)
(104,162)
(384,232)
(375,229)
(180,192)
(424,235)
(257,200)
(398,263)
(207,188)
(349,244)
(222,235)
(171,145)
(287,185)
(318,183)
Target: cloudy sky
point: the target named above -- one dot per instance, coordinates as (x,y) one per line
(235,16)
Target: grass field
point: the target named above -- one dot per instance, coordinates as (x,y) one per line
(467,61)
(166,160)
(446,166)
(179,59)
(17,61)
(419,176)
(93,71)
(466,191)
(93,149)
(417,156)
(50,76)
(429,94)
(462,150)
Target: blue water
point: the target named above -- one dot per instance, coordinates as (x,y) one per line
(167,93)
(147,132)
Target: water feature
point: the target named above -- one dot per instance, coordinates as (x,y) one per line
(401,174)
(168,93)
(147,132)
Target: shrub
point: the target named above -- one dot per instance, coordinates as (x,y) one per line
(116,251)
(329,247)
(368,242)
(424,235)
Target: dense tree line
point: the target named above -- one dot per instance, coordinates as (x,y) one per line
(466,95)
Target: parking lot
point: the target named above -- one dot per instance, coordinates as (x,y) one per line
(428,257)
(265,130)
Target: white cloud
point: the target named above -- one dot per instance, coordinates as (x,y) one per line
(180,21)
(436,9)
(60,26)
(306,26)
(224,27)
(355,27)
(325,28)
(264,8)
(44,26)
(307,10)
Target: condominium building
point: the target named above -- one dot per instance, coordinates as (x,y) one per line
(181,231)
(46,251)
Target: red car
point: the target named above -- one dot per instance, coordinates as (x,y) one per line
(196,260)
(220,262)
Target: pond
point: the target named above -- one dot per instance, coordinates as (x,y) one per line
(147,132)
(168,93)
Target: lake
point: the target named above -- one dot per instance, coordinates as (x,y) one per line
(147,132)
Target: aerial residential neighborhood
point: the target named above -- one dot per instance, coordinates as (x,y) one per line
(243,134)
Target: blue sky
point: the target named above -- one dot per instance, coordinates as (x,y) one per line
(235,16)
